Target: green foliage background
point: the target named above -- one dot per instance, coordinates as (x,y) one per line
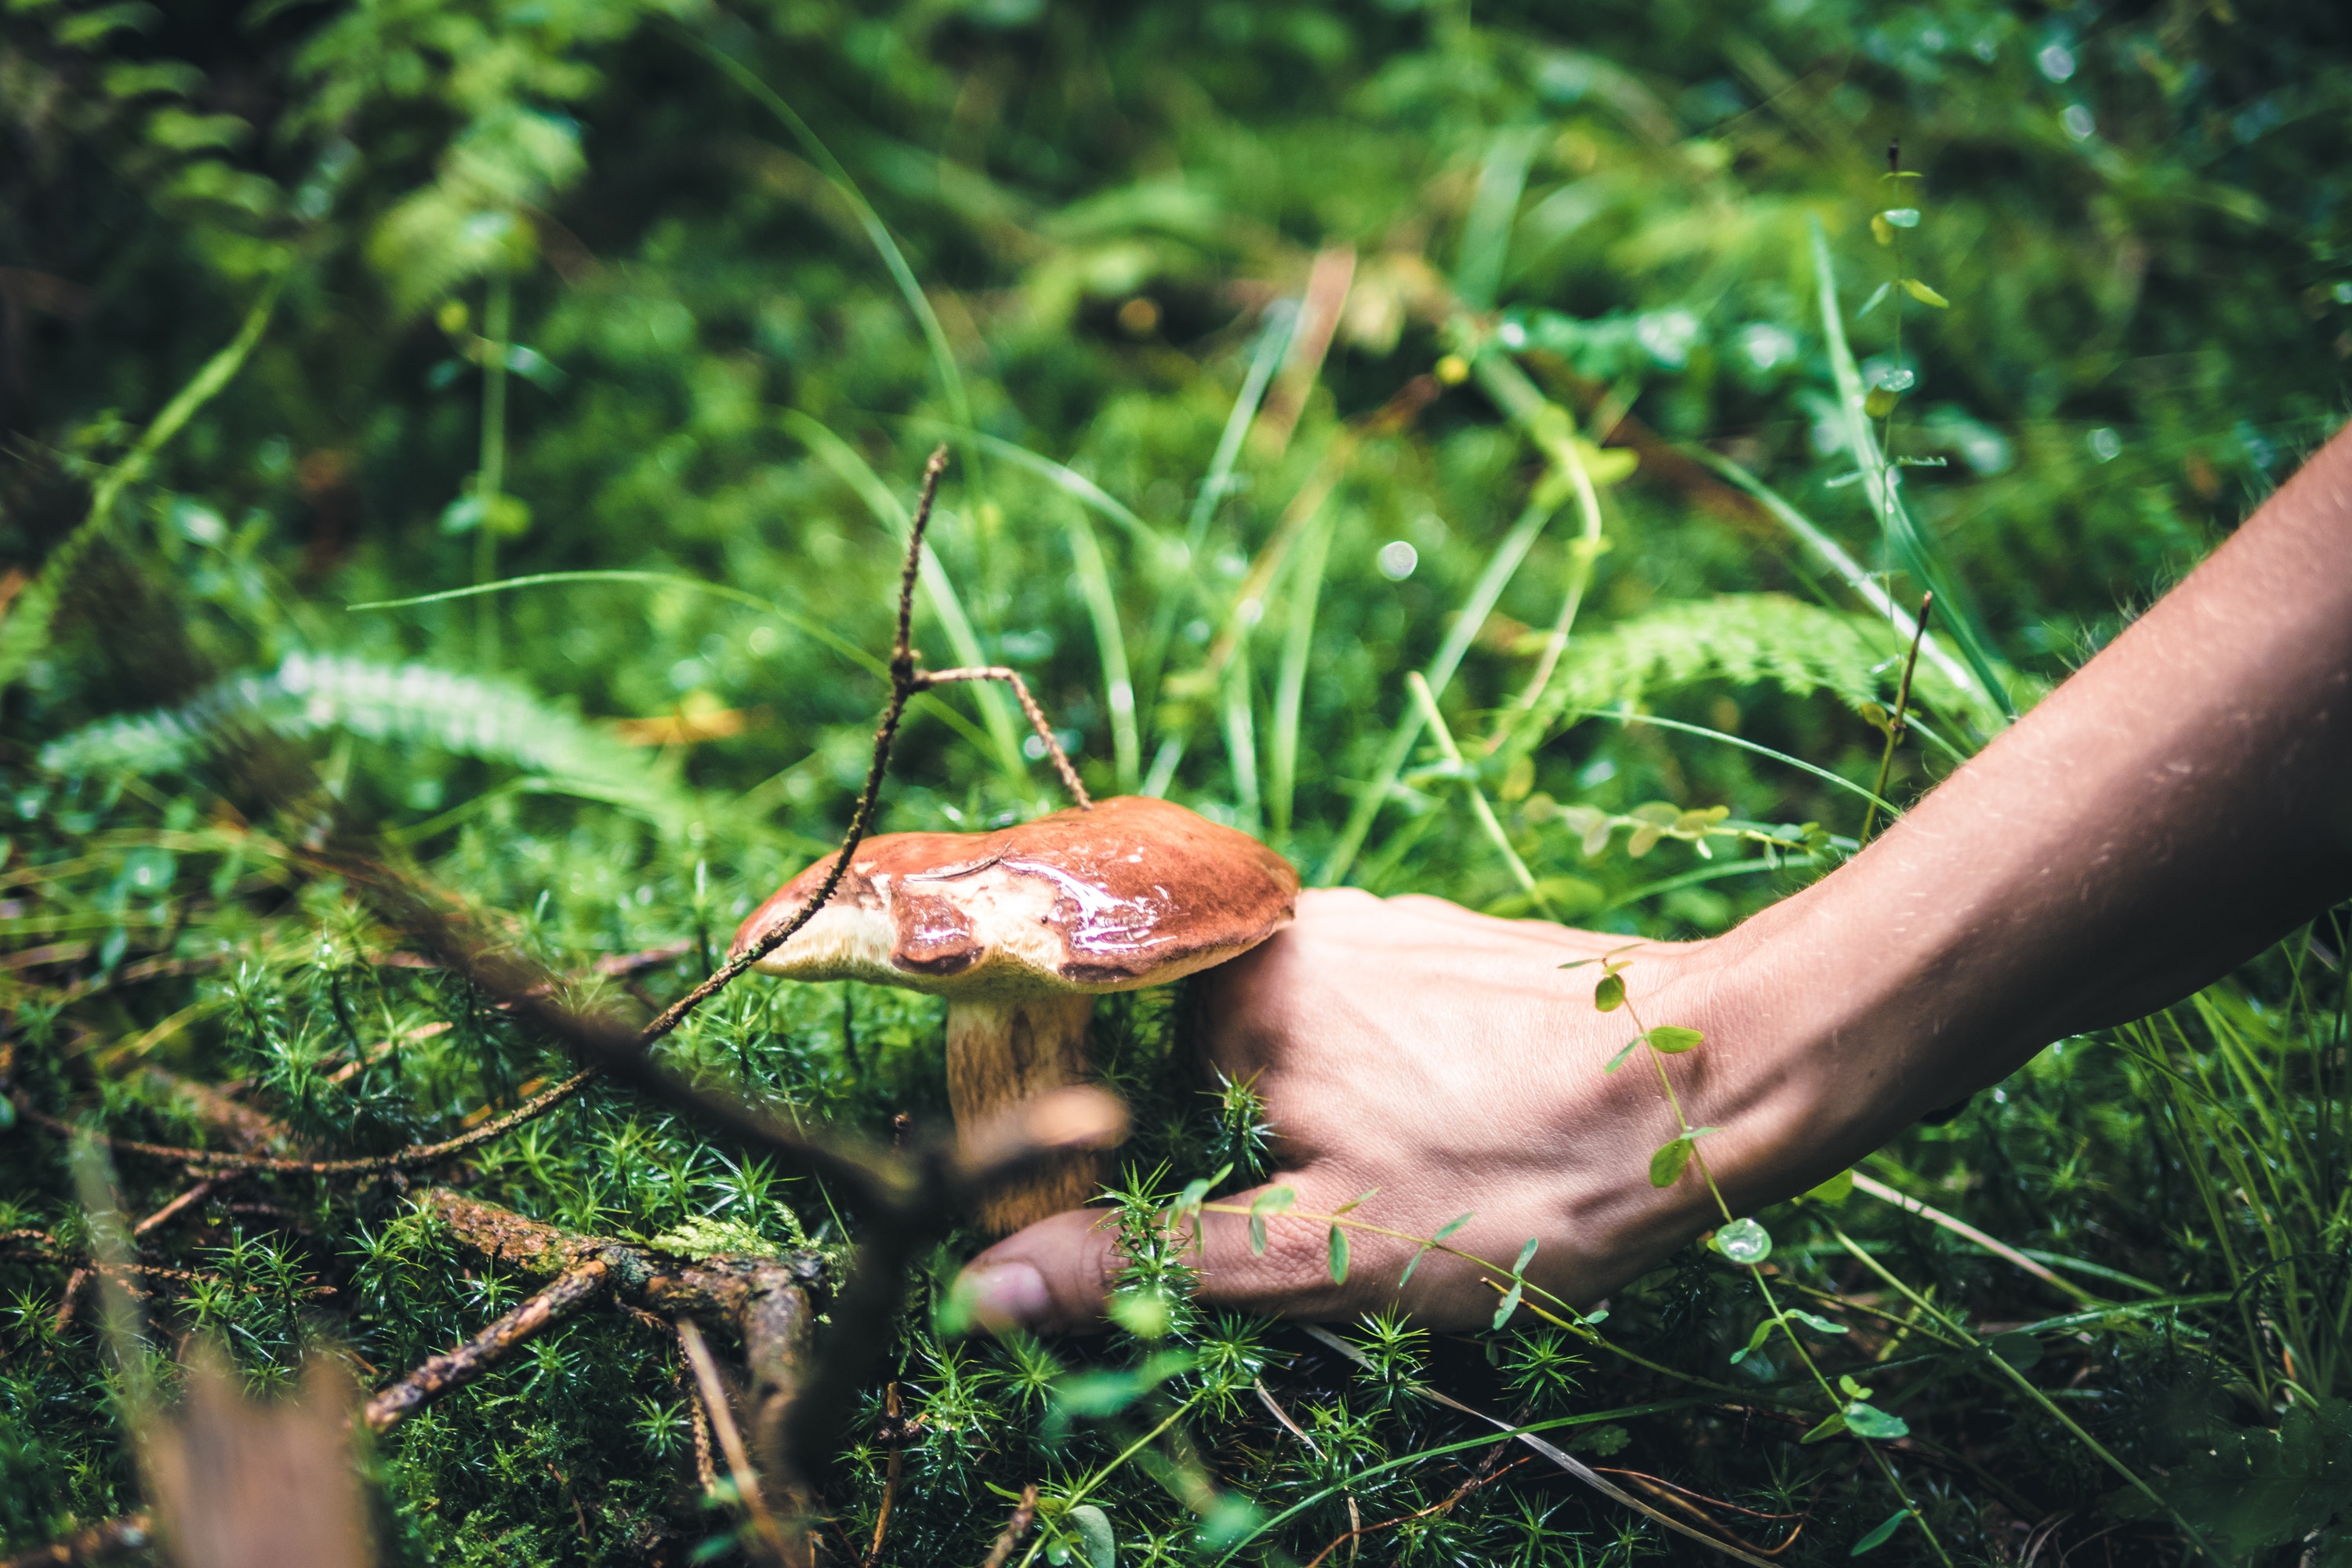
(739,267)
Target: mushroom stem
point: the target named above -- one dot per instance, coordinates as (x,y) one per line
(1001,1053)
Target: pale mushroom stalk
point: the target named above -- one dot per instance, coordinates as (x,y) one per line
(1020,930)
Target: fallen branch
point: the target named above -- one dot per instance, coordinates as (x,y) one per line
(572,1292)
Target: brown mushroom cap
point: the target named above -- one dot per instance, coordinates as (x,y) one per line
(1135,892)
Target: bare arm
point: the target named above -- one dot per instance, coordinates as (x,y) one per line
(2180,803)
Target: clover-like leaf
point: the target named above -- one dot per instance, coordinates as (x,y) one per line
(1864,1419)
(1510,1304)
(1609,994)
(1667,1164)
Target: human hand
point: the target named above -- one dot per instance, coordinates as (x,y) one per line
(1443,1059)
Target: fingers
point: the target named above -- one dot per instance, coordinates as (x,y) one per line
(1052,1277)
(1057,1275)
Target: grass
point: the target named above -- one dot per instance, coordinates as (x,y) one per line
(1569,250)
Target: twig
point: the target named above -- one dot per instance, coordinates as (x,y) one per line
(1023,1515)
(889,1477)
(1894,725)
(730,1441)
(1029,706)
(164,1216)
(478,1355)
(1443,1505)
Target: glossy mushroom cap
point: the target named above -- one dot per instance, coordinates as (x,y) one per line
(1135,892)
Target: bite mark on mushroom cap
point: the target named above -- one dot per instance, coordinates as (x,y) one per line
(1135,892)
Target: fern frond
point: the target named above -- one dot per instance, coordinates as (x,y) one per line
(1747,639)
(411,704)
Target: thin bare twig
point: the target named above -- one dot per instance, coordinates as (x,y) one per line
(730,1440)
(456,1368)
(1029,706)
(890,1475)
(1023,1516)
(1894,725)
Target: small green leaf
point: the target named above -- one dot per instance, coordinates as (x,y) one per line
(1645,839)
(1339,1255)
(1451,1226)
(1527,1253)
(1667,1164)
(1579,962)
(1864,1419)
(2019,1349)
(1409,1267)
(1675,1040)
(1619,1060)
(1902,217)
(1358,1198)
(1881,402)
(1609,994)
(1836,1190)
(1756,1341)
(1815,1321)
(1830,1426)
(1882,1535)
(1877,297)
(1596,838)
(1273,1200)
(1850,1389)
(1925,295)
(1510,1303)
(1092,1527)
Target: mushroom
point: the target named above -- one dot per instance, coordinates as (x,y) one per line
(1020,929)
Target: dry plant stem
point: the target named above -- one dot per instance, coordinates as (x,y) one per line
(1968,1232)
(1894,725)
(1558,1456)
(1023,1516)
(442,1374)
(1028,706)
(1349,1537)
(730,1441)
(889,1479)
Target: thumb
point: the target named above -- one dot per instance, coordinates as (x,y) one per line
(1056,1275)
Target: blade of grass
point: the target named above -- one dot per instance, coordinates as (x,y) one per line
(1508,553)
(1290,680)
(1479,806)
(1832,555)
(822,633)
(1823,773)
(943,362)
(1102,606)
(1273,342)
(24,630)
(891,513)
(1911,547)
(1240,735)
(1493,212)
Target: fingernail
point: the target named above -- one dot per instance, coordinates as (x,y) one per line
(1007,1293)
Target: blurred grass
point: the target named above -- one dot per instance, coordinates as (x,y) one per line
(1575,439)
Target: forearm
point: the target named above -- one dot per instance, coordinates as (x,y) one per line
(2174,808)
